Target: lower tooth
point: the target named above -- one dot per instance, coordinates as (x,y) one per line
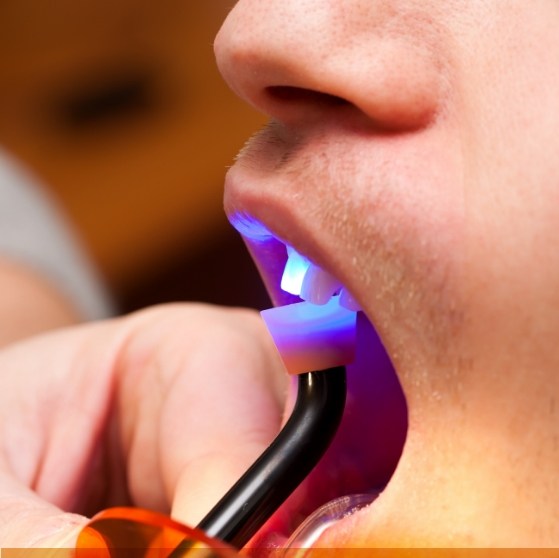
(318,286)
(347,301)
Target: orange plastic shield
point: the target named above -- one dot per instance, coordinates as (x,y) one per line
(137,533)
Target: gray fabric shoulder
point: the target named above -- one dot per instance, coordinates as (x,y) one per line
(35,232)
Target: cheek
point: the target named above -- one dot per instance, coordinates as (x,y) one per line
(511,209)
(510,92)
(514,273)
(402,233)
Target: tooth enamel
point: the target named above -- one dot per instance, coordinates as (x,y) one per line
(348,302)
(313,284)
(317,333)
(318,286)
(294,273)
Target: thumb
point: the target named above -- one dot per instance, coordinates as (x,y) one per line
(208,476)
(215,426)
(206,479)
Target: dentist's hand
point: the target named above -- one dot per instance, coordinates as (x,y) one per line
(163,409)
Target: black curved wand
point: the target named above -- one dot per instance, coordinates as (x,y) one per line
(287,461)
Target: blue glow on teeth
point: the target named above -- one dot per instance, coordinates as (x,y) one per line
(317,333)
(294,273)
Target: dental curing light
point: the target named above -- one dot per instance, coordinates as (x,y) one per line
(308,337)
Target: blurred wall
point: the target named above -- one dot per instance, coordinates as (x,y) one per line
(119,108)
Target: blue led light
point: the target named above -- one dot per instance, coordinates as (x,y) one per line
(249,227)
(294,273)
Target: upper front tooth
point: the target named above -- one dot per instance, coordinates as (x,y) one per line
(294,273)
(307,280)
(318,286)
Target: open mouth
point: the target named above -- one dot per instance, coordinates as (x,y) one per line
(368,445)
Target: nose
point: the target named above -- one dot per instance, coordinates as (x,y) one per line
(296,59)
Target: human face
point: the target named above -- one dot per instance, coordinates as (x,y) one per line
(412,153)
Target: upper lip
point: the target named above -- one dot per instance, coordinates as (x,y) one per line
(268,223)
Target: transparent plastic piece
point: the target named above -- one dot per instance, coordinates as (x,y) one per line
(311,337)
(327,515)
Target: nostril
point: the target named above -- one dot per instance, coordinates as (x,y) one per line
(300,95)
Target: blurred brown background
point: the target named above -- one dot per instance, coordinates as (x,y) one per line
(119,108)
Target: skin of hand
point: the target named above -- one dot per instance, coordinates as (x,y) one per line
(162,409)
(412,153)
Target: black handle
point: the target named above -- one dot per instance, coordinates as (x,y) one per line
(287,461)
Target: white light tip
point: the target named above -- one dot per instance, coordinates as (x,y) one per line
(311,337)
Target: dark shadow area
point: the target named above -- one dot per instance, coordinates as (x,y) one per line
(111,96)
(223,273)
